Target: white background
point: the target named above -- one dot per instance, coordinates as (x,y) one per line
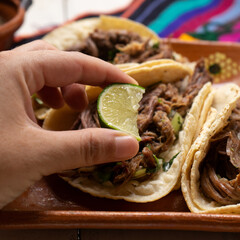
(46,13)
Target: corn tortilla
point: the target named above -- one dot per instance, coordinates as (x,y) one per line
(224,102)
(163,182)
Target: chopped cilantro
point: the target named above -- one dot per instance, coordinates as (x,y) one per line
(155,45)
(167,165)
(214,68)
(112,53)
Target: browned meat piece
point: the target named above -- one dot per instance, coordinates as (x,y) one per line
(220,190)
(123,172)
(145,118)
(122,58)
(220,178)
(233,148)
(199,78)
(157,108)
(120,46)
(236,113)
(144,53)
(87,119)
(158,97)
(166,132)
(148,158)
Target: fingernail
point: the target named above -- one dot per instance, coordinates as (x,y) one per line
(134,81)
(126,147)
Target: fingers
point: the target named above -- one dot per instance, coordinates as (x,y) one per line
(75,96)
(73,149)
(51,96)
(58,69)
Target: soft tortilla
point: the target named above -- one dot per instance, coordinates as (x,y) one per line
(224,102)
(145,74)
(68,35)
(163,182)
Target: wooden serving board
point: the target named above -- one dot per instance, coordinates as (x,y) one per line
(52,203)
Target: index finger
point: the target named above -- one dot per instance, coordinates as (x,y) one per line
(57,69)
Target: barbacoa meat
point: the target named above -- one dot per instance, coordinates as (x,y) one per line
(220,171)
(87,119)
(158,105)
(121,46)
(156,111)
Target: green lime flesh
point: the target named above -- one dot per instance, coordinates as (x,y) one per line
(118,107)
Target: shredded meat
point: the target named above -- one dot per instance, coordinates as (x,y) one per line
(125,171)
(156,110)
(87,119)
(167,136)
(154,118)
(121,46)
(220,170)
(148,158)
(199,78)
(146,116)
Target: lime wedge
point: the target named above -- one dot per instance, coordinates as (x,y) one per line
(118,107)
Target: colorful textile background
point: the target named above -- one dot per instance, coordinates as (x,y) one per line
(216,20)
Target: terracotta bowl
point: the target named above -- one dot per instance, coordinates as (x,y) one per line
(11,18)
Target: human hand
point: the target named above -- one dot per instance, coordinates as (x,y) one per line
(27,151)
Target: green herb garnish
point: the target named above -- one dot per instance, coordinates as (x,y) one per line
(177,122)
(167,165)
(112,53)
(104,173)
(159,162)
(37,99)
(214,68)
(140,173)
(155,45)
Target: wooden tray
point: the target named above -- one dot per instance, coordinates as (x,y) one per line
(52,203)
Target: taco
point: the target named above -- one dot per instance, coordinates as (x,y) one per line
(113,39)
(171,113)
(211,173)
(121,41)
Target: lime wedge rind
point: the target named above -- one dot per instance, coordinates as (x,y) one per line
(118,107)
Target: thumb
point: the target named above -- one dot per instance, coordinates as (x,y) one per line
(87,147)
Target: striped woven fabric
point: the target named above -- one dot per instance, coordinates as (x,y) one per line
(217,20)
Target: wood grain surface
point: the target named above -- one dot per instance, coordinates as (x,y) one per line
(110,234)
